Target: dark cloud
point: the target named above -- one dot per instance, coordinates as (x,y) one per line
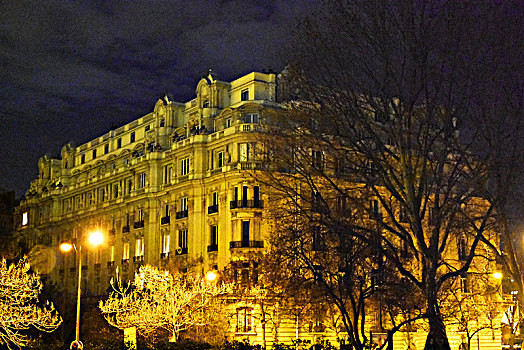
(69,70)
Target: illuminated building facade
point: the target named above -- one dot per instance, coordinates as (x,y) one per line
(171,188)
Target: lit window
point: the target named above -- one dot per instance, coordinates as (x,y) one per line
(184,166)
(165,243)
(25,218)
(140,214)
(112,253)
(139,247)
(244,320)
(244,95)
(125,251)
(244,150)
(183,204)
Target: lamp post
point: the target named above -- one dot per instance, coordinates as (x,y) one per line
(95,238)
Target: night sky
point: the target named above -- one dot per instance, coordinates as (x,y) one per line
(72,70)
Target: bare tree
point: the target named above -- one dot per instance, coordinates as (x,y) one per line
(389,101)
(157,299)
(19,305)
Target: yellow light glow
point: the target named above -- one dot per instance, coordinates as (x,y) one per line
(66,246)
(497,275)
(25,218)
(211,276)
(96,238)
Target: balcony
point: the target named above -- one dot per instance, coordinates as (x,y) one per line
(125,229)
(246,244)
(164,256)
(181,214)
(251,204)
(165,220)
(125,262)
(181,251)
(138,258)
(212,209)
(110,264)
(212,248)
(138,224)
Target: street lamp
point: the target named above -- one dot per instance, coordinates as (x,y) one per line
(211,276)
(95,239)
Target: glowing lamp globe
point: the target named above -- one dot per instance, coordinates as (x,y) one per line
(66,246)
(96,238)
(211,276)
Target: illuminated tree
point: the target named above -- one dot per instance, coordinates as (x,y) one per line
(157,299)
(19,305)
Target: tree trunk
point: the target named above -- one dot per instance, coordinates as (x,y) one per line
(437,338)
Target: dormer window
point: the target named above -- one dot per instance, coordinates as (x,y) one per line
(244,95)
(205,104)
(162,122)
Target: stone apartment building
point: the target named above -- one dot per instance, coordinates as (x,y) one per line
(170,188)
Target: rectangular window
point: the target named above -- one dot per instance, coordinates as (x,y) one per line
(228,123)
(147,128)
(94,153)
(140,214)
(125,251)
(182,238)
(221,158)
(132,137)
(250,118)
(243,152)
(82,159)
(245,233)
(166,210)
(244,320)
(183,203)
(168,172)
(184,166)
(375,209)
(214,198)
(97,255)
(214,235)
(115,191)
(106,148)
(165,244)
(142,180)
(139,246)
(317,160)
(112,253)
(119,143)
(244,95)
(25,218)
